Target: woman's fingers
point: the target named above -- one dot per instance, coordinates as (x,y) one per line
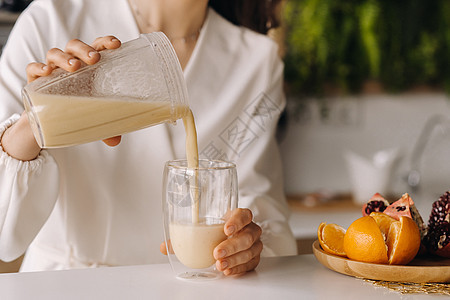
(241,241)
(163,248)
(82,51)
(113,141)
(69,60)
(241,251)
(106,42)
(239,218)
(240,269)
(36,70)
(58,58)
(76,53)
(242,261)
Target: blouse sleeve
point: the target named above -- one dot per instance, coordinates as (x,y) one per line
(28,189)
(28,192)
(261,178)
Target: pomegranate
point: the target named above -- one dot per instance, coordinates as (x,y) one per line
(376,203)
(438,236)
(405,207)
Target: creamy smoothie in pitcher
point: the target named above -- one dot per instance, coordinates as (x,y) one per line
(64,119)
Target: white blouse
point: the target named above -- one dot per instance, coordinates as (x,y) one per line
(91,204)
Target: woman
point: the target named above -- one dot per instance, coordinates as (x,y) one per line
(92,204)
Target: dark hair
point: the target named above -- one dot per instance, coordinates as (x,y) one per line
(258,15)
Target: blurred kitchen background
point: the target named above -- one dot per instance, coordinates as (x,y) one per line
(9,11)
(367,83)
(368,106)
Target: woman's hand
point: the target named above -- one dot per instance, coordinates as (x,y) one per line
(72,57)
(241,252)
(71,60)
(18,140)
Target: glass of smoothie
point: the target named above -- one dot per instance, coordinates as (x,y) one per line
(196,203)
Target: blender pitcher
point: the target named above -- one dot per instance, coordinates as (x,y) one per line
(138,85)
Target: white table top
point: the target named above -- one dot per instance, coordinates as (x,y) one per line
(291,277)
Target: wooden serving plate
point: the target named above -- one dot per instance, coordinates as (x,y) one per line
(420,270)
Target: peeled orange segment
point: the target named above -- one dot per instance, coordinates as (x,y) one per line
(383,221)
(331,238)
(364,242)
(403,241)
(319,231)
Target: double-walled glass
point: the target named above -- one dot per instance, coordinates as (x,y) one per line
(196,203)
(138,85)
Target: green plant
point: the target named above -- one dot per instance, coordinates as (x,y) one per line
(342,44)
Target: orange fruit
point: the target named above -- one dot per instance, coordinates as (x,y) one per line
(364,241)
(331,238)
(383,221)
(403,241)
(378,238)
